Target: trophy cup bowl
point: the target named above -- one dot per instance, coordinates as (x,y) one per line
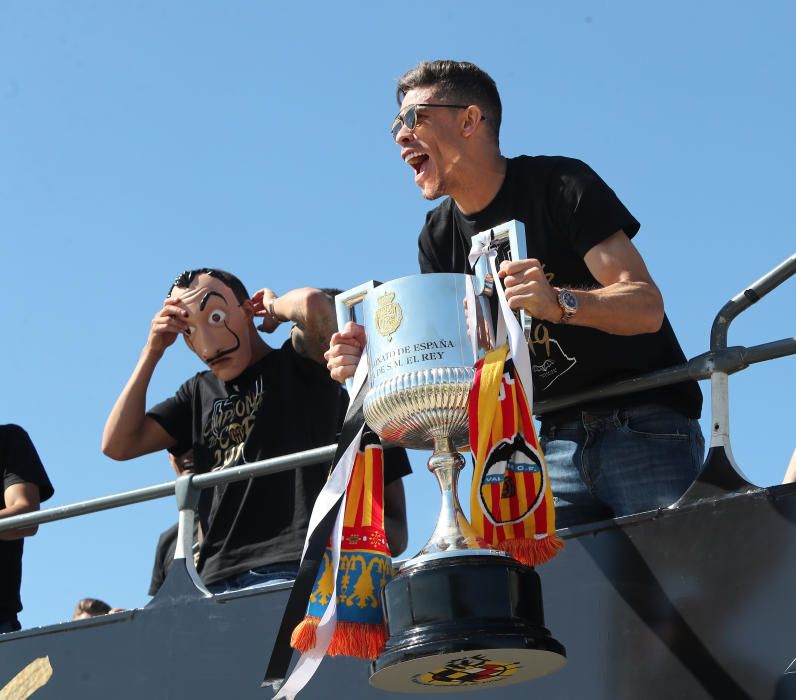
(424,333)
(460,615)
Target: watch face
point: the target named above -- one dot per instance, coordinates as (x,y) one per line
(568,300)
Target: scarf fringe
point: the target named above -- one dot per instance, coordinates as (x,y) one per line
(533,552)
(364,641)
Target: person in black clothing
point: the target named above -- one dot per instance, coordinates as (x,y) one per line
(164,555)
(25,486)
(167,542)
(597,314)
(254,403)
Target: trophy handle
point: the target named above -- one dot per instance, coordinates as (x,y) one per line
(514,232)
(344,304)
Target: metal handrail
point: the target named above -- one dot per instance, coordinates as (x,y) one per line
(150,493)
(743,300)
(719,361)
(719,358)
(728,360)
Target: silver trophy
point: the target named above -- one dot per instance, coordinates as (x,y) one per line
(424,335)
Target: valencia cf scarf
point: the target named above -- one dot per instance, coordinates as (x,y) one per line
(333,607)
(364,568)
(511,505)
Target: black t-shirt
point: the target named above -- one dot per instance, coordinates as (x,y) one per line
(164,554)
(566,209)
(19,464)
(282,404)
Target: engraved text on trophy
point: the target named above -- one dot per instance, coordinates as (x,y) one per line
(407,355)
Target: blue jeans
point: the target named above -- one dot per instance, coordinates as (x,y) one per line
(11,625)
(617,462)
(261,576)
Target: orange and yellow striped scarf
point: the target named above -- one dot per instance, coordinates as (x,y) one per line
(511,505)
(365,566)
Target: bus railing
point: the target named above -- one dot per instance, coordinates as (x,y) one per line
(716,364)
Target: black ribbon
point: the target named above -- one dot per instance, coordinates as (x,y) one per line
(299,598)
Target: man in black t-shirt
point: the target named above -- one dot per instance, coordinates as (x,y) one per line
(598,316)
(254,403)
(25,485)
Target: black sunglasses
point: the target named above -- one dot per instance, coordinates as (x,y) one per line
(409,117)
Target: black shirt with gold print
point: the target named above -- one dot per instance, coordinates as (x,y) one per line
(566,209)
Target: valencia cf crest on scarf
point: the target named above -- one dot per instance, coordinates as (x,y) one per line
(512,474)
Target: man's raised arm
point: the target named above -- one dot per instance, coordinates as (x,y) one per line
(310,310)
(129,432)
(627,303)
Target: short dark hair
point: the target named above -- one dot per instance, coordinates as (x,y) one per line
(92,607)
(458,81)
(184,279)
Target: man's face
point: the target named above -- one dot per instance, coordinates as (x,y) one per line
(432,149)
(219,327)
(182,464)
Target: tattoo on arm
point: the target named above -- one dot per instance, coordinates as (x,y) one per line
(298,341)
(311,335)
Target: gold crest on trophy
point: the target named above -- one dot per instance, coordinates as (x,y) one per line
(389,315)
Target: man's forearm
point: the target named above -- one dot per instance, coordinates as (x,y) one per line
(622,308)
(18,509)
(125,421)
(312,312)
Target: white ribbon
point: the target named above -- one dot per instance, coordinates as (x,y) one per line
(471,315)
(333,490)
(508,325)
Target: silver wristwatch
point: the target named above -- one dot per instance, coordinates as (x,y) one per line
(568,303)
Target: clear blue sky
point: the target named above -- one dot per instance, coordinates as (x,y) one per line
(138,139)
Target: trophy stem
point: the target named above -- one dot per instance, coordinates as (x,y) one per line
(453,534)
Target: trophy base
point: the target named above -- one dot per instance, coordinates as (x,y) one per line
(464,623)
(424,557)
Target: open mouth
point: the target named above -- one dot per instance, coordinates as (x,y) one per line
(416,161)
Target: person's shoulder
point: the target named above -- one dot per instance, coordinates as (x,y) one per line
(556,174)
(24,464)
(286,361)
(200,384)
(275,362)
(167,537)
(556,164)
(12,430)
(282,355)
(205,377)
(14,436)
